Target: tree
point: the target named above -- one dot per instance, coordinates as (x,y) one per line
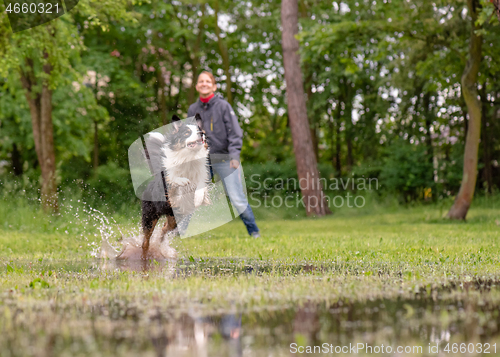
(224,54)
(33,54)
(496,3)
(43,57)
(305,158)
(469,91)
(40,103)
(378,77)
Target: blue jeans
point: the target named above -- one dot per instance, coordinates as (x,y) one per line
(234,188)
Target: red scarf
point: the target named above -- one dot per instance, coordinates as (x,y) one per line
(205,100)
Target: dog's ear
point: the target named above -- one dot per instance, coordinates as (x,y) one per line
(176,124)
(197,117)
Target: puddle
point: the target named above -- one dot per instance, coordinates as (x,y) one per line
(461,312)
(119,328)
(419,324)
(80,321)
(424,325)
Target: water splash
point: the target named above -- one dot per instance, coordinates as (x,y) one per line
(106,229)
(161,256)
(108,240)
(132,247)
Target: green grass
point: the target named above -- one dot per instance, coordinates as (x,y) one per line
(415,241)
(406,236)
(383,252)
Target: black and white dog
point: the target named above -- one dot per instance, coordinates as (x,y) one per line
(182,153)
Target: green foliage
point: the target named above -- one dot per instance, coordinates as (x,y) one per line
(407,170)
(38,283)
(373,72)
(112,184)
(450,173)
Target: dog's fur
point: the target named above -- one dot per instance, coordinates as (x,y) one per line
(183,157)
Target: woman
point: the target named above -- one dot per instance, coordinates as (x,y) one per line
(224,137)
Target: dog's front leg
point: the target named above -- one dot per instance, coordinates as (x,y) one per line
(206,198)
(148,232)
(201,197)
(169,226)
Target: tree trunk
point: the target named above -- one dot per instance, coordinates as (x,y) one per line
(497,6)
(28,81)
(95,163)
(310,111)
(49,186)
(224,54)
(307,170)
(348,98)
(486,142)
(338,148)
(195,59)
(315,141)
(17,165)
(348,139)
(469,91)
(428,124)
(463,109)
(162,100)
(428,117)
(308,89)
(40,105)
(174,99)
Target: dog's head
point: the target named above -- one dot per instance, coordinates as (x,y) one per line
(182,136)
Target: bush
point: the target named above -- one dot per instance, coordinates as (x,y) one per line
(113,185)
(257,174)
(408,171)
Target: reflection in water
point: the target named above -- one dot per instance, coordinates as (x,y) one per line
(415,322)
(306,324)
(136,323)
(198,336)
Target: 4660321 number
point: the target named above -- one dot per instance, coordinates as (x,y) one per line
(456,348)
(32,8)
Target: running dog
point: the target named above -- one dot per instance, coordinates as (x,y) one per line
(183,155)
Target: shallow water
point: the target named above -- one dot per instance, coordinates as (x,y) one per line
(462,312)
(411,324)
(414,326)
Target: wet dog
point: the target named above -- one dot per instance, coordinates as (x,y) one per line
(182,153)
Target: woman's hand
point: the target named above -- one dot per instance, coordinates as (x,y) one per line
(234,164)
